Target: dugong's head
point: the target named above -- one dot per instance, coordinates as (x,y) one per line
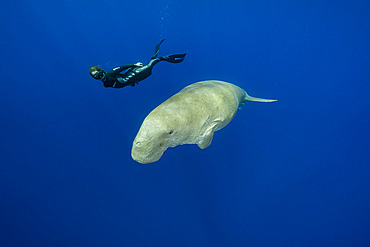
(153,138)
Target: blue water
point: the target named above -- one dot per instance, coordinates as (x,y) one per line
(291,173)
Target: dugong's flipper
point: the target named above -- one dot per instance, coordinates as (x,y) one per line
(189,117)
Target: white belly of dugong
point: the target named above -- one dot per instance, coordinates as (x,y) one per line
(189,117)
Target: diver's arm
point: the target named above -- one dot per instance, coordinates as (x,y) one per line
(122,68)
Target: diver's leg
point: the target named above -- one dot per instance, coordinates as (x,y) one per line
(143,72)
(156,49)
(175,58)
(154,62)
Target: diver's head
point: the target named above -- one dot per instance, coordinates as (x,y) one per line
(97,73)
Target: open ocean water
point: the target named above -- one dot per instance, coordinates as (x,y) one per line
(290,173)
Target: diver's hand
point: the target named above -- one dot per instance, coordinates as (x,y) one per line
(139,64)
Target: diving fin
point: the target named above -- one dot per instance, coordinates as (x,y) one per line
(156,49)
(175,58)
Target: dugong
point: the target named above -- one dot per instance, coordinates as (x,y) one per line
(189,117)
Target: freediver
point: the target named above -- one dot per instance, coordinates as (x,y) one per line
(135,72)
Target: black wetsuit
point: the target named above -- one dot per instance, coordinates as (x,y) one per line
(136,73)
(133,75)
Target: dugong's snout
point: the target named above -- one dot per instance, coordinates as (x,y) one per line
(142,155)
(145,152)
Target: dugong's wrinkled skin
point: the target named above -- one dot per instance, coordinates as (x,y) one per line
(189,117)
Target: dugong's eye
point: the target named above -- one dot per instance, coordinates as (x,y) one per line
(171,132)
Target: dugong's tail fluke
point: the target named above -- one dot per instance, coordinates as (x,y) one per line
(250,98)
